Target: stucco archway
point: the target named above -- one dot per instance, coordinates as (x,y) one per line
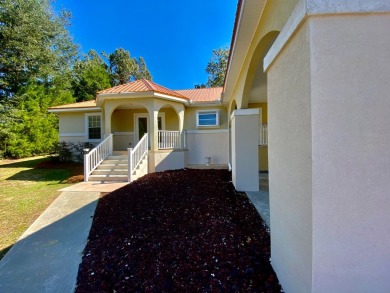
(255,88)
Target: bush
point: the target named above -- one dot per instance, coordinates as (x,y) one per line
(70,152)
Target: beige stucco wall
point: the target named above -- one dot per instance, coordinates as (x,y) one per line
(162,160)
(204,144)
(290,164)
(351,153)
(190,117)
(244,146)
(72,126)
(171,119)
(71,122)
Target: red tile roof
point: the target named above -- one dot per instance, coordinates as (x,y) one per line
(141,85)
(202,95)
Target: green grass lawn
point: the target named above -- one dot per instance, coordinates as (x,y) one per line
(27,188)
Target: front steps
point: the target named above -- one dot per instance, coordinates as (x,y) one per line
(115,169)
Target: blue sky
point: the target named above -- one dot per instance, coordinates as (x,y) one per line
(175,37)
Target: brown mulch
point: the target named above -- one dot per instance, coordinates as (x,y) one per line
(177,231)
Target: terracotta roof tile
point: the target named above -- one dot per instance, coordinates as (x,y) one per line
(85,104)
(194,95)
(202,95)
(141,85)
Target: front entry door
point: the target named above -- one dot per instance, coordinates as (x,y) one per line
(142,125)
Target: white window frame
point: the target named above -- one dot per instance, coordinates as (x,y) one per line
(216,111)
(87,115)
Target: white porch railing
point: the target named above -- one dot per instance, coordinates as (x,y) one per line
(136,155)
(97,155)
(263,138)
(169,139)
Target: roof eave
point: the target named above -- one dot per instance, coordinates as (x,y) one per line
(135,95)
(243,44)
(83,109)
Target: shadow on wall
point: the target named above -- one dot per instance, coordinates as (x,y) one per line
(170,160)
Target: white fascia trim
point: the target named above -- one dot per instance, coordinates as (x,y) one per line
(306,8)
(170,98)
(245,112)
(197,131)
(235,40)
(74,110)
(70,134)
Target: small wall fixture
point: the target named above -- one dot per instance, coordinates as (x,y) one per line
(208,160)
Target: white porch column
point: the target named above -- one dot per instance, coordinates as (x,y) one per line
(107,120)
(153,135)
(244,141)
(181,126)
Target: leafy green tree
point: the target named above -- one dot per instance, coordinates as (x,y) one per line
(34,44)
(216,68)
(32,130)
(123,68)
(142,71)
(90,76)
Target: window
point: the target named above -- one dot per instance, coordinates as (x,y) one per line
(207,118)
(94,129)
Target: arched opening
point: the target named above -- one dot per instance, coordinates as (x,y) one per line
(129,121)
(255,89)
(169,134)
(255,97)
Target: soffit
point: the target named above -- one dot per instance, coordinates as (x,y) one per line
(246,25)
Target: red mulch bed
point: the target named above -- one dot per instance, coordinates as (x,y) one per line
(177,231)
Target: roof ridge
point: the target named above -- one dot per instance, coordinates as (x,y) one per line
(148,84)
(203,88)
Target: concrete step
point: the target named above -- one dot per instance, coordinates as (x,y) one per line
(110,172)
(117,178)
(116,158)
(115,162)
(112,167)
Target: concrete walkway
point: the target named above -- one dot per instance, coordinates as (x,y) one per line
(260,199)
(47,256)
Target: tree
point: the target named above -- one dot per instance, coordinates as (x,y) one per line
(123,68)
(142,71)
(90,76)
(216,68)
(31,130)
(34,44)
(36,58)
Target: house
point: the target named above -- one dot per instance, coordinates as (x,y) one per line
(186,128)
(317,73)
(322,68)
